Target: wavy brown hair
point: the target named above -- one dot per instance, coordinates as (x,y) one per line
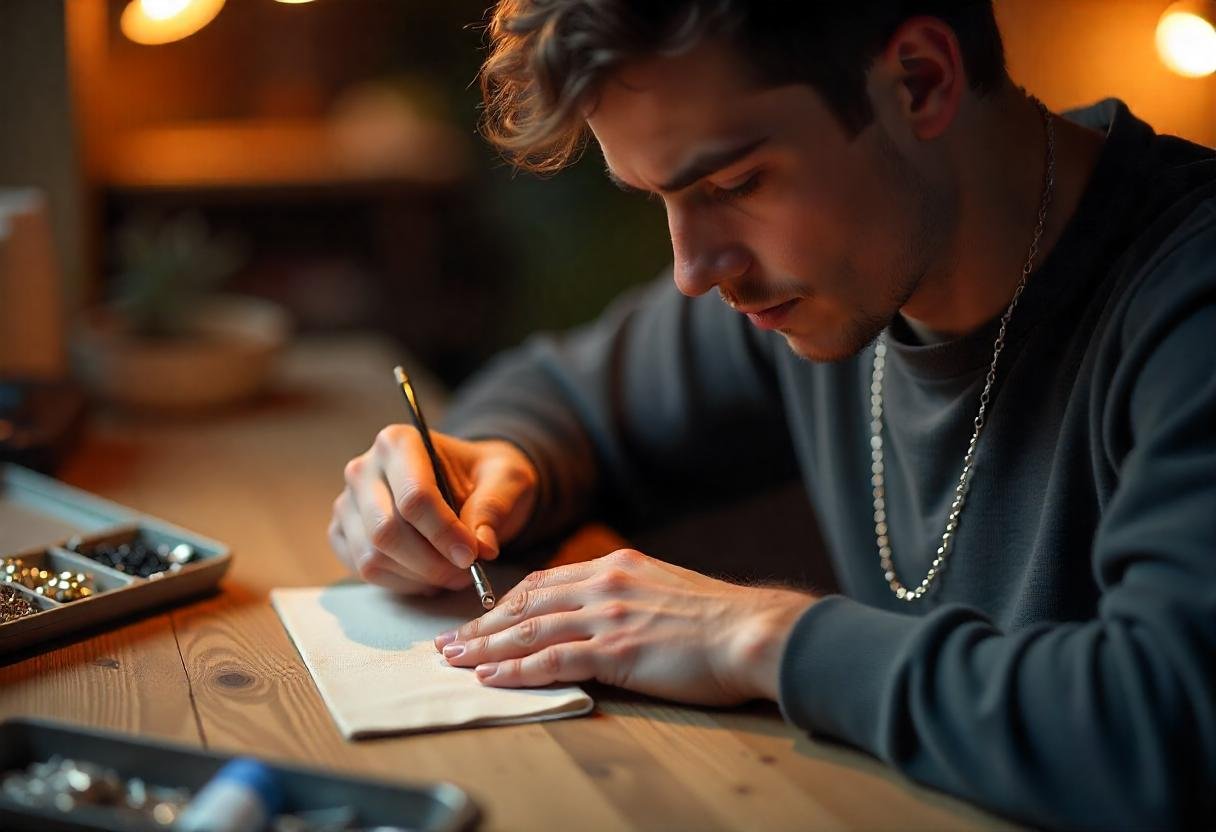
(548,58)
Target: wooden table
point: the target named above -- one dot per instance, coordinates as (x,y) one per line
(221,673)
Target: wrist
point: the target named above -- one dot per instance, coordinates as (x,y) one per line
(760,640)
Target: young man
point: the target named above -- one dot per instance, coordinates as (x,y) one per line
(981,332)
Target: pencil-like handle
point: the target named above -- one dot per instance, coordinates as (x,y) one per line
(415,410)
(481,583)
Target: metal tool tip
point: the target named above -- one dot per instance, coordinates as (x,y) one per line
(487,602)
(399,373)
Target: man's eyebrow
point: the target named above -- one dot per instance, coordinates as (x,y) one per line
(697,169)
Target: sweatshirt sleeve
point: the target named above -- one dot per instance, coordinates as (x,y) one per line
(660,401)
(1100,724)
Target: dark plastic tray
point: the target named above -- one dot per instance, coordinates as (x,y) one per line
(433,808)
(40,517)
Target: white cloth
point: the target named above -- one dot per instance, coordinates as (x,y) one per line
(372,656)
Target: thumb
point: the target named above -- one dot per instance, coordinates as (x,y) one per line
(495,510)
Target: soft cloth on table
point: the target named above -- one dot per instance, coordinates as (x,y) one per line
(372,656)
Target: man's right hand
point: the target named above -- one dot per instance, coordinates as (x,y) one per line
(391,526)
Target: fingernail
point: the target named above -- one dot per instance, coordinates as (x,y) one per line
(487,536)
(453,650)
(485,671)
(462,556)
(445,638)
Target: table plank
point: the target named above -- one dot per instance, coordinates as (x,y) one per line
(128,679)
(223,672)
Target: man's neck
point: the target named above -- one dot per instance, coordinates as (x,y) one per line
(1001,168)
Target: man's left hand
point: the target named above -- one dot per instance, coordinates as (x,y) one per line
(635,622)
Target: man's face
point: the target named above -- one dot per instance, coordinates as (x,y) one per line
(818,236)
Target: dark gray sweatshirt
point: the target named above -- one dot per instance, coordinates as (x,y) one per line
(1062,670)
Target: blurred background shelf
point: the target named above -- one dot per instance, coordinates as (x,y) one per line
(265,154)
(338,140)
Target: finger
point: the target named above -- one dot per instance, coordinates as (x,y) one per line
(402,586)
(522,639)
(337,539)
(569,573)
(517,608)
(411,478)
(366,561)
(385,528)
(573,661)
(499,489)
(386,532)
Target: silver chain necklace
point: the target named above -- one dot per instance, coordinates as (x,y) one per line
(876,401)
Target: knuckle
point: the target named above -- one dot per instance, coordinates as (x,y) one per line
(414,501)
(551,661)
(618,647)
(353,471)
(470,630)
(383,533)
(612,580)
(392,437)
(615,611)
(477,645)
(534,580)
(527,631)
(517,604)
(625,558)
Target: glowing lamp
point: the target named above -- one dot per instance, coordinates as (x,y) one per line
(164,21)
(1186,37)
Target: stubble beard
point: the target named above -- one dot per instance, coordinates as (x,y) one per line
(935,213)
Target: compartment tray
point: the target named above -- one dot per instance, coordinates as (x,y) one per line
(70,512)
(435,808)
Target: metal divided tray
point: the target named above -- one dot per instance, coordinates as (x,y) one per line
(63,533)
(428,808)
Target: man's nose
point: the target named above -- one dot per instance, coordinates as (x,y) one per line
(704,256)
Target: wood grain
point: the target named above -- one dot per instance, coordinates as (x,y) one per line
(224,673)
(128,679)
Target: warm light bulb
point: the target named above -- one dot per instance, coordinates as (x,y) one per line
(164,21)
(1186,38)
(163,9)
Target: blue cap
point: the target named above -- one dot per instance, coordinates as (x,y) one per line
(256,776)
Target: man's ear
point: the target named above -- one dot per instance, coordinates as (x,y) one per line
(923,65)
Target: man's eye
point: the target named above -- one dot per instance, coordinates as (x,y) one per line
(744,188)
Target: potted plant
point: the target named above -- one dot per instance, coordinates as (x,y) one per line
(169,340)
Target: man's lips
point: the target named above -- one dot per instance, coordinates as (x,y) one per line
(770,317)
